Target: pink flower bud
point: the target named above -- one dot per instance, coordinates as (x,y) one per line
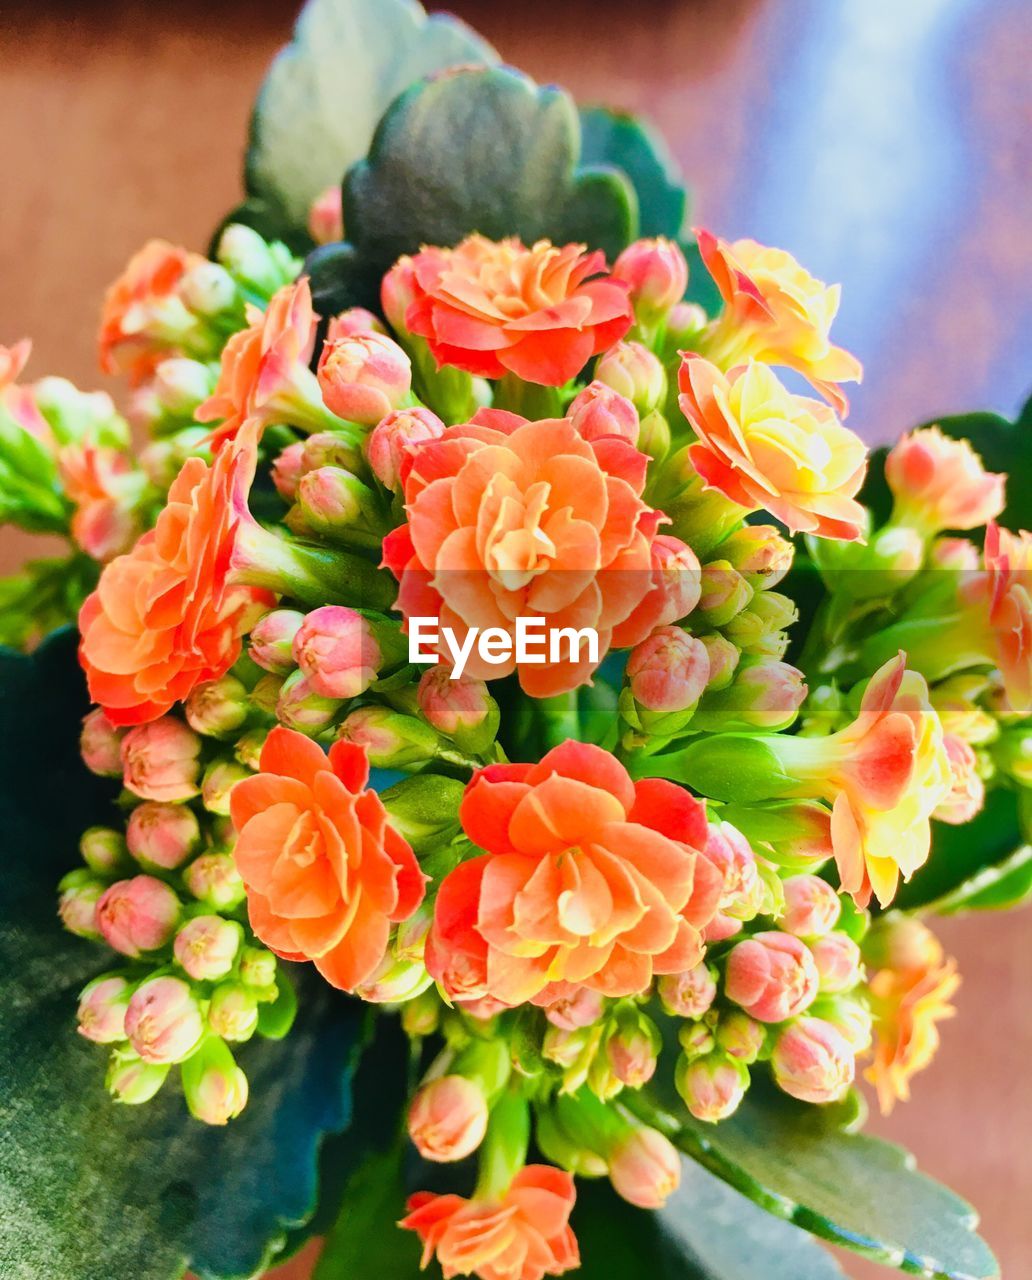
(364,377)
(103,850)
(215,1087)
(398,292)
(813,1062)
(579,1008)
(326,216)
(100,743)
(684,324)
(599,411)
(233,1012)
(657,275)
(214,880)
(901,943)
(645,1168)
(772,976)
(131,1080)
(395,437)
(759,553)
(448,1118)
(331,499)
(711,1086)
(837,958)
(696,1039)
(77,904)
(337,652)
(272,640)
(102,1007)
(217,708)
(812,907)
(300,707)
(328,449)
(162,836)
(181,384)
(632,370)
(958,554)
(163,1021)
(939,483)
(668,670)
(355,320)
(740,1036)
(764,694)
(138,915)
(390,740)
(452,705)
(161,761)
(257,967)
(743,894)
(220,777)
(967,789)
(688,994)
(287,470)
(851,1018)
(206,947)
(723,659)
(633,1047)
(725,593)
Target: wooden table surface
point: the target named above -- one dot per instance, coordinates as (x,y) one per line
(888,143)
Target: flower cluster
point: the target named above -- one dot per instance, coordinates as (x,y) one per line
(672,855)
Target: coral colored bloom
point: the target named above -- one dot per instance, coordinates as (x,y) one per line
(588,879)
(765,448)
(326,873)
(523,1235)
(939,483)
(775,311)
(1000,610)
(165,617)
(144,319)
(509,519)
(496,308)
(265,373)
(106,489)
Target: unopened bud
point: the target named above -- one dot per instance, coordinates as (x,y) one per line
(161,760)
(300,707)
(395,437)
(598,411)
(668,671)
(654,436)
(100,743)
(812,907)
(656,274)
(740,1036)
(759,553)
(711,1086)
(233,1012)
(758,628)
(328,449)
(208,289)
(959,555)
(684,325)
(264,266)
(138,915)
(645,1168)
(214,880)
(688,994)
(181,384)
(217,708)
(333,501)
(77,904)
(394,981)
(580,1008)
(851,1018)
(764,694)
(448,1118)
(287,470)
(131,1080)
(338,651)
(725,593)
(390,740)
(272,640)
(102,1006)
(326,217)
(257,967)
(220,777)
(772,976)
(421,1016)
(696,1039)
(462,708)
(215,1087)
(723,659)
(364,377)
(813,1062)
(103,850)
(398,292)
(902,943)
(632,370)
(206,947)
(163,1020)
(837,958)
(162,836)
(633,1047)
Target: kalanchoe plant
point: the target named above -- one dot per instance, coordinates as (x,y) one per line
(647,906)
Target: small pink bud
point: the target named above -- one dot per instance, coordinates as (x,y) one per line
(131,1080)
(711,1086)
(851,1018)
(958,554)
(233,1012)
(645,1168)
(668,671)
(328,449)
(838,962)
(723,659)
(902,943)
(337,652)
(162,836)
(214,880)
(632,370)
(812,907)
(102,1007)
(725,593)
(688,994)
(364,377)
(813,1062)
(740,1036)
(448,1118)
(103,850)
(287,470)
(772,976)
(138,915)
(163,1021)
(696,1039)
(390,740)
(215,1087)
(100,743)
(161,760)
(398,292)
(580,1008)
(300,707)
(684,324)
(206,947)
(220,777)
(217,708)
(355,320)
(743,893)
(272,640)
(395,437)
(326,216)
(967,789)
(331,499)
(599,411)
(181,384)
(453,705)
(657,275)
(764,694)
(80,895)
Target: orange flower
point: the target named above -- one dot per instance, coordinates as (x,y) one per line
(763,447)
(265,373)
(524,1235)
(775,311)
(509,519)
(939,483)
(17,400)
(496,308)
(589,879)
(166,617)
(106,490)
(326,873)
(143,318)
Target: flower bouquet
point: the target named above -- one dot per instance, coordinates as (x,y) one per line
(530,735)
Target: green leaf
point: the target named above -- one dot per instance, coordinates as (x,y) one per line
(481,150)
(967,862)
(795,1161)
(324,93)
(87,1188)
(624,142)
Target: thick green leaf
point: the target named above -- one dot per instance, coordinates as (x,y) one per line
(325,92)
(795,1161)
(89,1189)
(624,142)
(482,150)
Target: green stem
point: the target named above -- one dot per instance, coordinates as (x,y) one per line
(527,398)
(559,718)
(503,1152)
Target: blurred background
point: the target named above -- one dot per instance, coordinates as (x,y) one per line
(886,143)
